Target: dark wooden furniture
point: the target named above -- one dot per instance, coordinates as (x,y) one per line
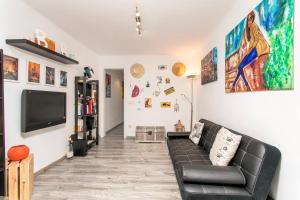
(86,120)
(40,50)
(2,140)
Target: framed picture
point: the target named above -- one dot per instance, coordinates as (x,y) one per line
(165,104)
(50,76)
(107,85)
(209,66)
(10,68)
(148,103)
(260,49)
(63,79)
(34,72)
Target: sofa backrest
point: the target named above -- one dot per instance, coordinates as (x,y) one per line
(257,160)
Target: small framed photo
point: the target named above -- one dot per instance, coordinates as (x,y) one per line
(11,68)
(50,76)
(34,72)
(63,79)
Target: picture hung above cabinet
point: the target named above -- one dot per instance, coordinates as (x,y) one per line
(107,85)
(209,64)
(260,49)
(179,69)
(137,71)
(10,68)
(50,76)
(63,79)
(34,72)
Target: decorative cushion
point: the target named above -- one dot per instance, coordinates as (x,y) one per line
(196,132)
(224,147)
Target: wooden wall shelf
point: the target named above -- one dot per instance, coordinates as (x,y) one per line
(40,50)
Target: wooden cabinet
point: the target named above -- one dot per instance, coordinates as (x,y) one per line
(150,134)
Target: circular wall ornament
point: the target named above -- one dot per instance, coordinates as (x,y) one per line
(137,70)
(179,69)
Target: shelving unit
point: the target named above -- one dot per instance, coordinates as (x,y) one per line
(2,132)
(86,114)
(40,50)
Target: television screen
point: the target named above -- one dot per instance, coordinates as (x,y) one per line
(41,109)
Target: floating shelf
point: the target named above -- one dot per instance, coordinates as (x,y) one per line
(40,50)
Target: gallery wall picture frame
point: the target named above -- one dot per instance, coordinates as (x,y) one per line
(50,76)
(107,85)
(166,104)
(33,72)
(63,78)
(259,52)
(148,102)
(10,68)
(209,67)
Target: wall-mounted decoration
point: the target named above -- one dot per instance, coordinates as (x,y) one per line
(63,79)
(107,85)
(209,65)
(159,79)
(162,67)
(123,90)
(50,76)
(157,91)
(167,80)
(165,104)
(148,103)
(179,69)
(135,91)
(147,84)
(176,106)
(169,91)
(34,72)
(137,70)
(260,49)
(10,68)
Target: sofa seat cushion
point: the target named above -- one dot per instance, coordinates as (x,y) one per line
(214,192)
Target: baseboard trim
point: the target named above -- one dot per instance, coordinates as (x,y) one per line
(114,127)
(41,171)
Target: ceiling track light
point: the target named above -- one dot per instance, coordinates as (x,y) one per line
(138,21)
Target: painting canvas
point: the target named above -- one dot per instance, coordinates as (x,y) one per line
(50,76)
(209,67)
(10,68)
(34,72)
(108,85)
(260,49)
(63,79)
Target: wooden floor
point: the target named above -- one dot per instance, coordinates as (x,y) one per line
(117,169)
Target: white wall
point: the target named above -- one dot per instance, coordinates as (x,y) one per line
(272,116)
(20,21)
(114,106)
(154,116)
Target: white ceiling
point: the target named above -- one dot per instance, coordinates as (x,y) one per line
(108,26)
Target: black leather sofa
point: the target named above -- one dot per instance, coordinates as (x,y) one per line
(248,177)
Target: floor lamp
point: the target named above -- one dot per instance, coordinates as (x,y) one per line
(191,77)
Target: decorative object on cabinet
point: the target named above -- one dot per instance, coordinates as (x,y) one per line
(87,112)
(260,49)
(50,75)
(34,72)
(209,66)
(179,69)
(17,153)
(179,127)
(63,79)
(148,103)
(40,50)
(11,68)
(2,129)
(137,70)
(165,104)
(150,134)
(135,91)
(107,85)
(169,91)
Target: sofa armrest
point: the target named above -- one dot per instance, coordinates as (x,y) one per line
(205,174)
(178,134)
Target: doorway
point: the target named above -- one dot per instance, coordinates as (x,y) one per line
(114,102)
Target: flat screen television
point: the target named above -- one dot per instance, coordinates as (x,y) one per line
(41,109)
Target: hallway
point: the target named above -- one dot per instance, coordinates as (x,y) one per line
(117,169)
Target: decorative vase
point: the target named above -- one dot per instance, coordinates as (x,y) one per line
(17,153)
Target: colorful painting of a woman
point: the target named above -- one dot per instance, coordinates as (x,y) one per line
(253,62)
